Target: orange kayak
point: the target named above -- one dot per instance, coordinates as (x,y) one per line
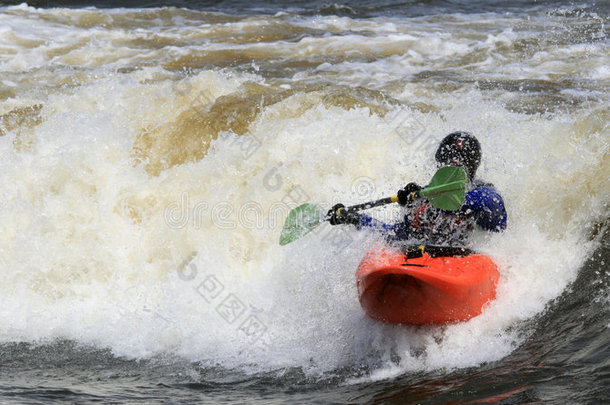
(425,290)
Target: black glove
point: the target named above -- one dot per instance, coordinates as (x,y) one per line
(338,215)
(404,195)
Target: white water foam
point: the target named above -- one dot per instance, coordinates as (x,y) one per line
(96,250)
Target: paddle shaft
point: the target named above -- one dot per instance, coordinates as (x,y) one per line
(372,204)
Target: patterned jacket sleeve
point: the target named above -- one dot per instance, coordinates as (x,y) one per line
(393,232)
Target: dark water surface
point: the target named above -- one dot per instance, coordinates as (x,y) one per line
(358,9)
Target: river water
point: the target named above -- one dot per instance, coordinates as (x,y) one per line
(150,152)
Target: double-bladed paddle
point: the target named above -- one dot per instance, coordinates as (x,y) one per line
(446,191)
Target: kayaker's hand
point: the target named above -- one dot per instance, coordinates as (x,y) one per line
(338,215)
(404,195)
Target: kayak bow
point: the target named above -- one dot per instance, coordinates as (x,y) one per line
(425,290)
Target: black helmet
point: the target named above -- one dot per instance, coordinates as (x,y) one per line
(460,148)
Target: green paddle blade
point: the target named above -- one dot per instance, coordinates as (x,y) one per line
(447,189)
(301,220)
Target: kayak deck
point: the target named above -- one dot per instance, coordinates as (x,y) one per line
(425,290)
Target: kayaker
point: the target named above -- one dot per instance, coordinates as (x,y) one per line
(483,207)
